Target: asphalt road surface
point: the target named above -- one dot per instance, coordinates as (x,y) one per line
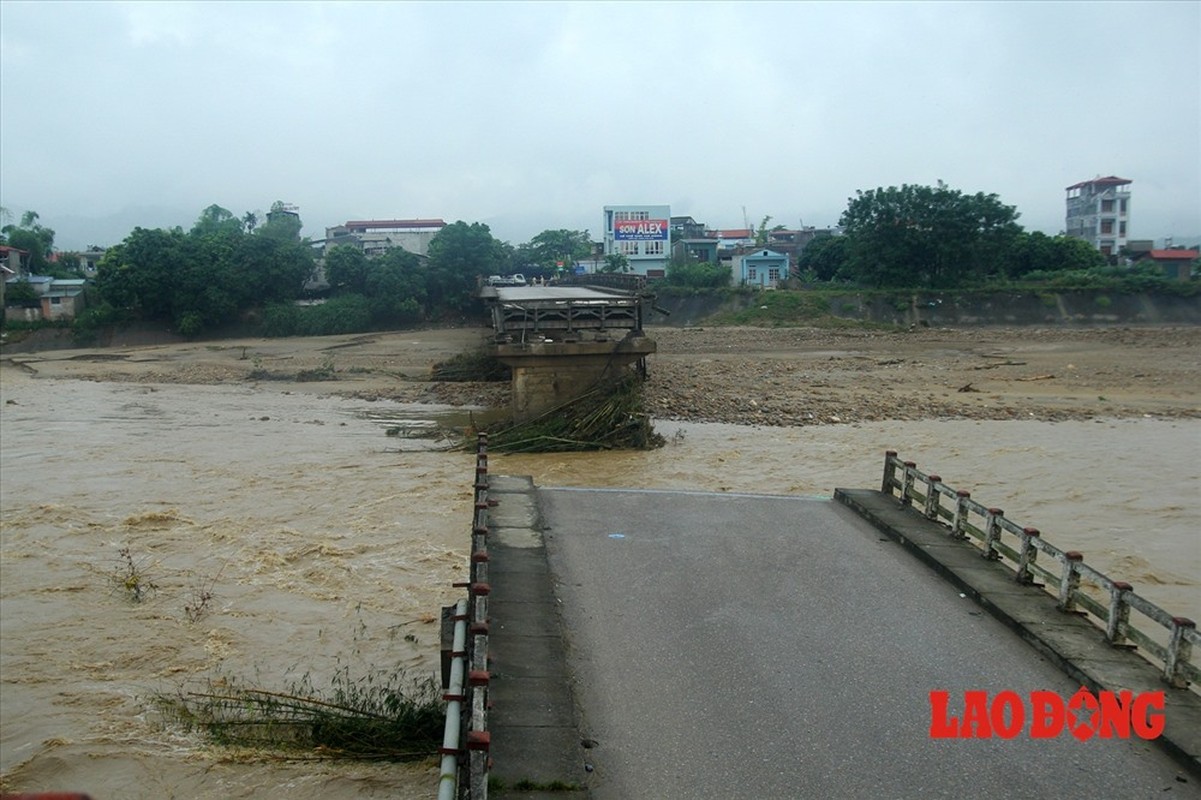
(728,646)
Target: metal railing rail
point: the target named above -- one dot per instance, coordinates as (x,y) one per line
(467,740)
(987,528)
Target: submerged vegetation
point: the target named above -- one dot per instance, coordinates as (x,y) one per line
(475,365)
(387,716)
(609,417)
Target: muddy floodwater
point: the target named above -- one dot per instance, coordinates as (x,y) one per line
(276,535)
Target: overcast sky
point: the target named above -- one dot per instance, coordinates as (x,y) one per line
(534,116)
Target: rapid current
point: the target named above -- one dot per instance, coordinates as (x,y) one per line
(275,536)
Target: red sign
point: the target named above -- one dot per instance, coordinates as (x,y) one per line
(640,230)
(1105,715)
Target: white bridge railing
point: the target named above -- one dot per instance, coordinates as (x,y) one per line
(467,739)
(1165,640)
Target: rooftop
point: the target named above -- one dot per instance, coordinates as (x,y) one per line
(393,224)
(1110,180)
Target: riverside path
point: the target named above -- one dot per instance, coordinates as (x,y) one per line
(652,644)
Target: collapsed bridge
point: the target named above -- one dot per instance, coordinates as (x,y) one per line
(560,341)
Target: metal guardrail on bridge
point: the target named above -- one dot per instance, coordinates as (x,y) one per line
(466,739)
(988,529)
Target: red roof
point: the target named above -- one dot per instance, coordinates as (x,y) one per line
(1111,180)
(363,224)
(1174,255)
(736,233)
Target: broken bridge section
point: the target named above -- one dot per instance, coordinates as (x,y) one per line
(562,341)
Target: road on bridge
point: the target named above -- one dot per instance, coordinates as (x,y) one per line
(774,647)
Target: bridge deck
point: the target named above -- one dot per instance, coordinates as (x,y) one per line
(554,309)
(736,646)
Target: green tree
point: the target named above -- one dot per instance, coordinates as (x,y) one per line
(346,269)
(616,262)
(282,223)
(554,246)
(33,237)
(395,288)
(1037,252)
(761,233)
(202,279)
(694,274)
(458,255)
(825,258)
(20,293)
(216,219)
(927,236)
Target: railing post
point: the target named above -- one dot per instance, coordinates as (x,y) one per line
(960,520)
(1180,650)
(890,471)
(992,532)
(1027,555)
(907,483)
(1119,613)
(1069,582)
(933,497)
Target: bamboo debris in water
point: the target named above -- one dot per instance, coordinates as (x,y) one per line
(609,417)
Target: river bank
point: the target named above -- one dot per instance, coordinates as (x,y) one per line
(756,376)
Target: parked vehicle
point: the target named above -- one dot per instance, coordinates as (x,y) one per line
(516,279)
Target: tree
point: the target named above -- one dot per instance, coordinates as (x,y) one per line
(927,236)
(1037,252)
(250,220)
(346,269)
(216,219)
(395,288)
(204,278)
(761,234)
(694,274)
(32,237)
(20,293)
(551,248)
(616,262)
(458,255)
(282,223)
(825,257)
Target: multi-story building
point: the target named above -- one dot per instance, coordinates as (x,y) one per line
(376,236)
(642,234)
(1098,211)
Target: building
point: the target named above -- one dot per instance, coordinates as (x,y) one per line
(1098,211)
(1177,263)
(686,228)
(732,238)
(642,234)
(703,250)
(57,298)
(376,236)
(762,268)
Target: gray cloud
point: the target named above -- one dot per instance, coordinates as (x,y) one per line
(533,116)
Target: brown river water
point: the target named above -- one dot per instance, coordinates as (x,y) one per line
(323,544)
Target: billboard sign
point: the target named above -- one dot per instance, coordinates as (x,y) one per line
(640,230)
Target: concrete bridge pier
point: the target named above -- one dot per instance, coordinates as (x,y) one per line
(547,374)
